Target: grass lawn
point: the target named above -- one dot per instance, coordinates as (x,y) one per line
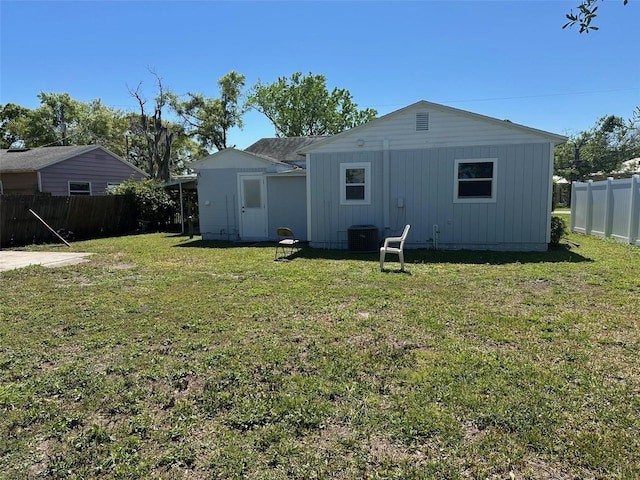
(164,357)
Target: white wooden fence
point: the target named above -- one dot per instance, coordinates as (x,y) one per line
(609,208)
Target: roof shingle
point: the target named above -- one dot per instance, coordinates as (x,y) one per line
(29,160)
(284,149)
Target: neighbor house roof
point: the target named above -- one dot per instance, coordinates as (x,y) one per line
(281,152)
(34,159)
(443,108)
(284,149)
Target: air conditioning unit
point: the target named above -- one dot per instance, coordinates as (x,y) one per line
(363,238)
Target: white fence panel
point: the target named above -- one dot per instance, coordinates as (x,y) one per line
(610,208)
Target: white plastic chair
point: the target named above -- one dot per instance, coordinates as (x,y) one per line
(397,250)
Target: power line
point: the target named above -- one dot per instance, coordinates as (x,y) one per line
(519,97)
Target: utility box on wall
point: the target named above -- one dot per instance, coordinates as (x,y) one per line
(363,238)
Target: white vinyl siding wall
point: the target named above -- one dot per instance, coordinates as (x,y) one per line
(445,130)
(424,180)
(328,219)
(218,203)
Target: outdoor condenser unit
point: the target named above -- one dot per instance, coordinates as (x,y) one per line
(363,238)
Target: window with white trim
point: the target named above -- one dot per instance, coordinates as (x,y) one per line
(79,188)
(355,183)
(475,180)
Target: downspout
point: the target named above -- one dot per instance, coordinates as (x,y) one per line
(386,188)
(550,187)
(308,182)
(181,209)
(40,183)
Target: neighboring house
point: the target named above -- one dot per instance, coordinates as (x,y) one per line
(462,180)
(63,171)
(629,168)
(247,194)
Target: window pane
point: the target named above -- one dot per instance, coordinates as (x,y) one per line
(252,193)
(354,192)
(479,189)
(354,175)
(475,170)
(79,187)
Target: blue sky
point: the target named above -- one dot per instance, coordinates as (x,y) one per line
(505,59)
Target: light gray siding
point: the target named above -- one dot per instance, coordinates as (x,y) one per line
(446,129)
(218,203)
(421,191)
(95,166)
(286,200)
(219,208)
(329,221)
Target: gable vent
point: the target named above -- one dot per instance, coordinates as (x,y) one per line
(422,121)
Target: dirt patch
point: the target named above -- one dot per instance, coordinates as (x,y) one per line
(11,259)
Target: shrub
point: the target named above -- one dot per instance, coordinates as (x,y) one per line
(152,202)
(558,230)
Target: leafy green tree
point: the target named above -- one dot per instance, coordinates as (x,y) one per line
(48,124)
(210,119)
(100,124)
(599,151)
(303,106)
(61,120)
(12,120)
(61,111)
(586,13)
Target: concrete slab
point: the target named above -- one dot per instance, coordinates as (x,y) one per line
(11,259)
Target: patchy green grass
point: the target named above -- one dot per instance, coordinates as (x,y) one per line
(168,358)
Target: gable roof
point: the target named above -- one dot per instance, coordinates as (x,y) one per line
(423,104)
(34,159)
(283,149)
(279,152)
(229,156)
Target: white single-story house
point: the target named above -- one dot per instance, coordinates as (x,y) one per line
(462,180)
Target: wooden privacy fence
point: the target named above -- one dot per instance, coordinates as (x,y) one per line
(85,216)
(609,208)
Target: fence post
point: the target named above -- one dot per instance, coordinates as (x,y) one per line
(589,212)
(573,207)
(633,209)
(608,205)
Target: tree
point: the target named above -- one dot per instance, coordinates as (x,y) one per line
(62,112)
(303,106)
(61,120)
(100,124)
(152,203)
(586,13)
(601,150)
(158,134)
(12,120)
(210,119)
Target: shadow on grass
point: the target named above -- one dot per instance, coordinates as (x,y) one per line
(562,253)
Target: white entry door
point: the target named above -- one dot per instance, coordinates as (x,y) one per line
(253,211)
